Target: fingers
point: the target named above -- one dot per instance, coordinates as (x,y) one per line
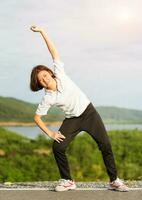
(61,134)
(58,140)
(59,137)
(33,27)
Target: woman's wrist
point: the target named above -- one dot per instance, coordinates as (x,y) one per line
(42,31)
(49,133)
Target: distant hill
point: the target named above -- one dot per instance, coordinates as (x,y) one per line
(15,110)
(12,109)
(111,114)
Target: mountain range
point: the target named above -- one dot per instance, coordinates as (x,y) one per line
(16,110)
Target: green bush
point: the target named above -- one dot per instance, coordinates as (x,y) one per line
(33,160)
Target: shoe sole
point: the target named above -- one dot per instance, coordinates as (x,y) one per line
(66,189)
(118,189)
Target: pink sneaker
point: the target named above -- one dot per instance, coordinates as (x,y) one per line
(118,185)
(65,185)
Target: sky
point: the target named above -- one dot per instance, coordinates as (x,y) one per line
(99,41)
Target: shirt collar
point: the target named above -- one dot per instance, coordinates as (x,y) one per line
(59,87)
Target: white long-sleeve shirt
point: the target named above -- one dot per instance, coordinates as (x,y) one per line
(68,97)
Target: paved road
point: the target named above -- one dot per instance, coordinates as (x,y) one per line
(69,195)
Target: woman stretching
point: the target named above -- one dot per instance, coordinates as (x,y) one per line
(80,115)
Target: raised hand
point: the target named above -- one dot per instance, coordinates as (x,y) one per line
(35,28)
(51,47)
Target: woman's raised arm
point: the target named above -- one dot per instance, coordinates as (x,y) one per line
(49,43)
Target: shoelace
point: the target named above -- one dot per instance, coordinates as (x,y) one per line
(118,182)
(62,181)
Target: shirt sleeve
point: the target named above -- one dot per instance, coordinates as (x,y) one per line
(58,67)
(43,107)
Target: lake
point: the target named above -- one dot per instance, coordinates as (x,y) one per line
(33,131)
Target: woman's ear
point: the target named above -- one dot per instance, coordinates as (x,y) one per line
(52,75)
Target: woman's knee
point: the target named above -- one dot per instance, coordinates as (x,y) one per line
(105,146)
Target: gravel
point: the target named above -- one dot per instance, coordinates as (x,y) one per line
(51,184)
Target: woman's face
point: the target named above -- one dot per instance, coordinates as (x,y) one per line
(45,78)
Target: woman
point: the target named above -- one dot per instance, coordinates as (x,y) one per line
(80,115)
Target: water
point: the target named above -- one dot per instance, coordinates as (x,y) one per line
(33,131)
(29,131)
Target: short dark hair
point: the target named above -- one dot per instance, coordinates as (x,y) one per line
(34,83)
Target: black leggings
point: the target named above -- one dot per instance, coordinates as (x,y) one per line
(91,122)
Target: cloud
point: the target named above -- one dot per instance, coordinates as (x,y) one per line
(4,77)
(99,41)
